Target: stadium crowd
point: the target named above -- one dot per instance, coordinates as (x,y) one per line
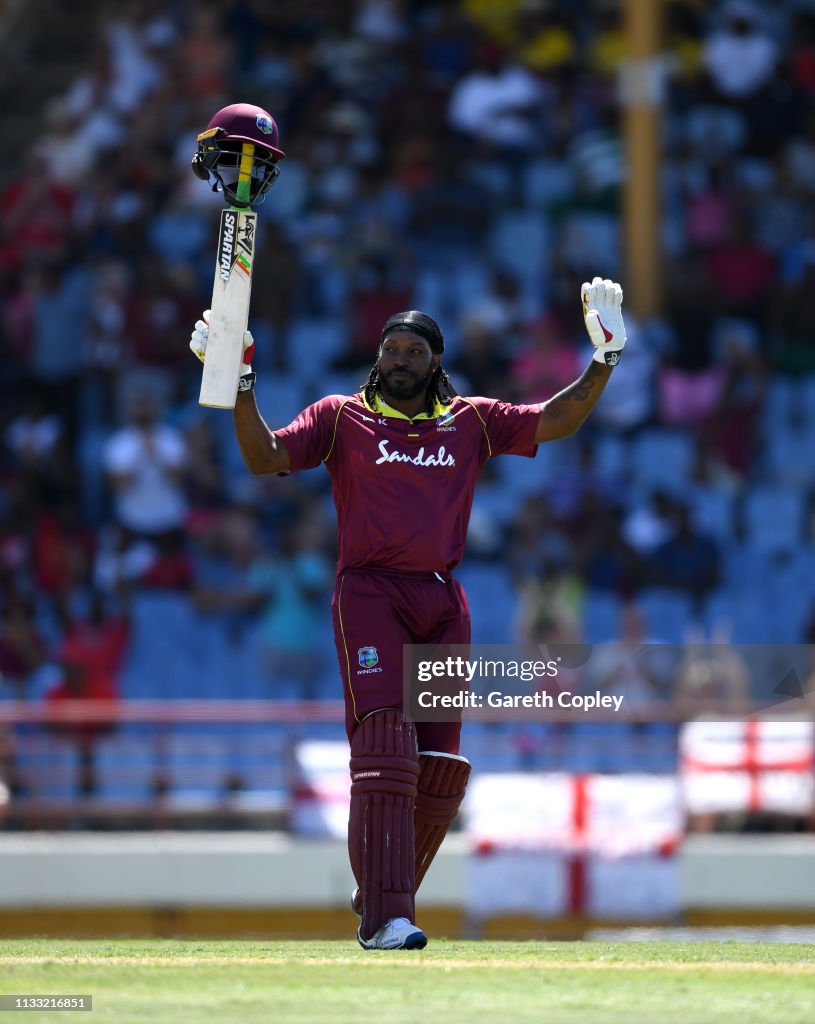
(463,157)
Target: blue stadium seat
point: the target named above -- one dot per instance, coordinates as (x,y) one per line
(805,406)
(279,396)
(743,565)
(740,616)
(492,599)
(260,757)
(520,243)
(469,281)
(607,747)
(522,476)
(545,181)
(774,518)
(174,652)
(613,455)
(290,202)
(780,401)
(48,766)
(318,340)
(788,455)
(600,614)
(126,764)
(668,614)
(430,291)
(663,458)
(197,760)
(712,511)
(490,747)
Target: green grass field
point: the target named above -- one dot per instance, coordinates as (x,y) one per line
(451,982)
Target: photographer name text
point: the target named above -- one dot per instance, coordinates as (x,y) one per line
(498,699)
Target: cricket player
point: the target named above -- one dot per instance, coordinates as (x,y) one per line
(404,455)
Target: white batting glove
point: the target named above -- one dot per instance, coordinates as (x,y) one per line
(200,336)
(604,319)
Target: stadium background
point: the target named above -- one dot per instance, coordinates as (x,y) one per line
(463,157)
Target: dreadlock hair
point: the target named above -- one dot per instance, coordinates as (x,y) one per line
(440,389)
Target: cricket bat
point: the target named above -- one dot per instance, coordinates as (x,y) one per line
(231,292)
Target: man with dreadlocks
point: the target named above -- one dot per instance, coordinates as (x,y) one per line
(403,456)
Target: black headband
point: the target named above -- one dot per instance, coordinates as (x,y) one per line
(419,323)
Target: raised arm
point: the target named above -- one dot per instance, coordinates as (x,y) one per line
(565,412)
(262,452)
(562,414)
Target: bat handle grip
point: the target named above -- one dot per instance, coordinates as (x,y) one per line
(243,191)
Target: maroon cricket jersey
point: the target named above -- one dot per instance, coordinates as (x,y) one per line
(403,488)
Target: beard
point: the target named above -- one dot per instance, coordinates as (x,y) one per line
(409,386)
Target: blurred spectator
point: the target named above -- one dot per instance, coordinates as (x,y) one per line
(446,46)
(90,658)
(295,583)
(630,667)
(537,542)
(650,523)
(549,608)
(62,552)
(728,437)
(277,596)
(546,361)
(802,55)
(549,38)
(52,334)
(204,480)
(206,56)
(121,563)
(687,560)
(22,647)
(712,680)
(35,216)
(450,212)
(607,560)
(36,441)
(711,209)
(741,271)
(376,293)
(223,586)
(740,55)
(163,304)
(482,360)
(145,461)
(792,317)
(496,103)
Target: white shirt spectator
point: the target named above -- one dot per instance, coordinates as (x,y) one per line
(145,464)
(498,107)
(740,56)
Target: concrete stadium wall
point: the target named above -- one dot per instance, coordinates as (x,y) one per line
(266,884)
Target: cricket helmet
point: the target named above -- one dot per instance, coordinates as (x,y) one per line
(220,146)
